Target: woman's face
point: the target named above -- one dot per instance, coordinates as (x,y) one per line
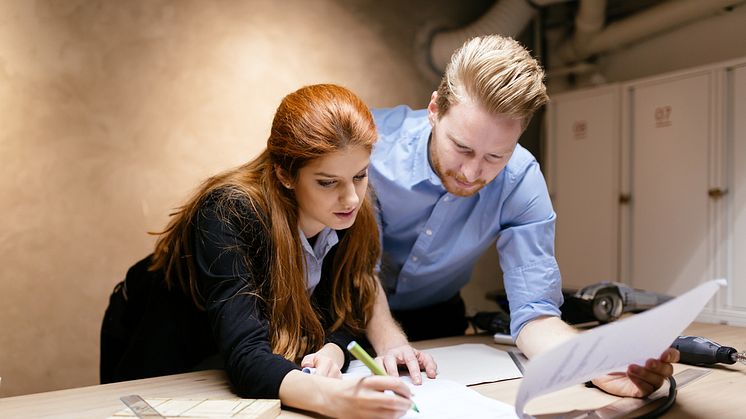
(331,189)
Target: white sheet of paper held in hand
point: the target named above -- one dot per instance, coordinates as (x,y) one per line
(612,347)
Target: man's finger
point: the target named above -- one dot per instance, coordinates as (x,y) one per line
(671,355)
(653,380)
(428,364)
(390,365)
(414,369)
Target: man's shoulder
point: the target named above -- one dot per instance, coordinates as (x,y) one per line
(520,161)
(399,119)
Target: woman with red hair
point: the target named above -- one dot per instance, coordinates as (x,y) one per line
(268,267)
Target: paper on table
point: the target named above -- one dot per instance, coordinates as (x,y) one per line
(467,364)
(612,347)
(446,399)
(474,363)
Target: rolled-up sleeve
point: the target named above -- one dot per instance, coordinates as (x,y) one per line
(526,249)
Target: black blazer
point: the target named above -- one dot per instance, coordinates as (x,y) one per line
(149,330)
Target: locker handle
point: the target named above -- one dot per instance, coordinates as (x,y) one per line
(717,193)
(625,198)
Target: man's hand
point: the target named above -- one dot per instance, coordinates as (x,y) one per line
(392,346)
(414,359)
(542,334)
(640,381)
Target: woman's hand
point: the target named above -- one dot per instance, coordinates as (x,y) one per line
(640,381)
(414,359)
(327,361)
(369,397)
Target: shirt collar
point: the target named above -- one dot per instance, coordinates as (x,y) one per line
(326,239)
(421,170)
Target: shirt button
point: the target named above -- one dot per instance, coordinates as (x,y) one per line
(414,258)
(429,232)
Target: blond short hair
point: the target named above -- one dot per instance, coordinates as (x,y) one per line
(496,72)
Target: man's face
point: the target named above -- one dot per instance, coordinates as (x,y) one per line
(469,146)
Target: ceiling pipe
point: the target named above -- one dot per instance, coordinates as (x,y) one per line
(589,41)
(505,17)
(435,43)
(589,21)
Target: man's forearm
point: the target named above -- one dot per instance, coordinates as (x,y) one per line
(543,333)
(383,332)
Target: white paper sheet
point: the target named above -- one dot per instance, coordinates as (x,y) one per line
(445,399)
(612,347)
(467,364)
(474,363)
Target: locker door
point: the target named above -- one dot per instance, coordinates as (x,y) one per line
(737,117)
(670,134)
(585,192)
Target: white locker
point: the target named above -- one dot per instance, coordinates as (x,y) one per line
(671,125)
(672,149)
(737,160)
(583,151)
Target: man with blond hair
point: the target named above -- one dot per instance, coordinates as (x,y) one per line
(450,180)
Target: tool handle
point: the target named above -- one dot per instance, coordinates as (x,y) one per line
(697,350)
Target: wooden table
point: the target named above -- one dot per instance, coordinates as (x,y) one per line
(716,395)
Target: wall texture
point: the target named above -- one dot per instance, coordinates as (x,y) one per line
(111,112)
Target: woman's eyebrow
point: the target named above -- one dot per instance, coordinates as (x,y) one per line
(324,174)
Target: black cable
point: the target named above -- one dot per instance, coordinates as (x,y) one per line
(670,399)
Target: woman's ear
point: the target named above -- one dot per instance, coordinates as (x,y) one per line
(282,176)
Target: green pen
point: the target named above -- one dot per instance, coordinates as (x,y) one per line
(358,352)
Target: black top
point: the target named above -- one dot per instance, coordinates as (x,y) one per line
(149,330)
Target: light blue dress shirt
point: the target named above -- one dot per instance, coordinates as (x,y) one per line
(432,239)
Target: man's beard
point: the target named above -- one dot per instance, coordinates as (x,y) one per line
(476,186)
(450,176)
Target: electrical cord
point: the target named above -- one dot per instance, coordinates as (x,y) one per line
(658,411)
(663,408)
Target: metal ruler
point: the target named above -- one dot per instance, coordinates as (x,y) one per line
(140,407)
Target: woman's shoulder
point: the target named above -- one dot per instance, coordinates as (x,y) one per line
(232,204)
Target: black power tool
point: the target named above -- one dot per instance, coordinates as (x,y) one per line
(697,350)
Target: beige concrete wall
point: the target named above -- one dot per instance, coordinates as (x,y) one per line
(112,111)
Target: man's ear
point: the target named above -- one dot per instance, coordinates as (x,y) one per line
(282,176)
(432,108)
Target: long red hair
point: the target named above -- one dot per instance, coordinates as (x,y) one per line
(309,123)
